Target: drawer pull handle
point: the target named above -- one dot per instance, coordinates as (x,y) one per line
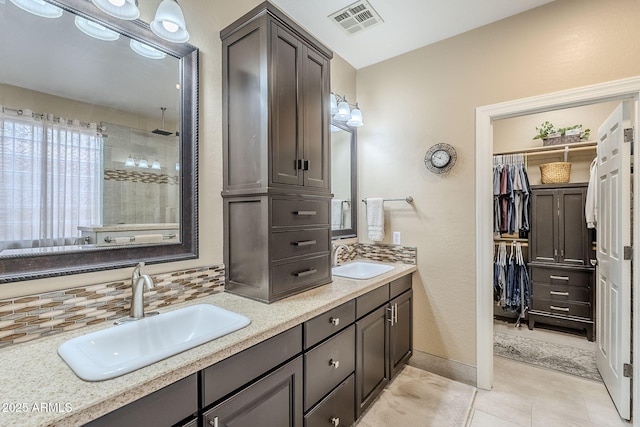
(306,272)
(305,243)
(335,364)
(335,421)
(562,294)
(335,321)
(214,422)
(553,277)
(553,307)
(305,213)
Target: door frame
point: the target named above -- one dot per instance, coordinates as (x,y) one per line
(609,91)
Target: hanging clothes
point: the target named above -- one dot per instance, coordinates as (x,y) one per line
(511,283)
(591,204)
(511,195)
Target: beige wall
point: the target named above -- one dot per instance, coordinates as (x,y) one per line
(429,95)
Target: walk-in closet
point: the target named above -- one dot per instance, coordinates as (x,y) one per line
(545,238)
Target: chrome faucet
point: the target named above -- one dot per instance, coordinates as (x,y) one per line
(336,252)
(139,282)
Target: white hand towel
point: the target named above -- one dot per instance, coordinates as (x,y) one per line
(375,218)
(336,213)
(149,238)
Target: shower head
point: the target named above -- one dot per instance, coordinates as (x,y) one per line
(161,131)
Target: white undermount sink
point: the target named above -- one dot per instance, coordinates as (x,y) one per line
(111,352)
(361,269)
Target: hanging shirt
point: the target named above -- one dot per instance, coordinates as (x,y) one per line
(591,204)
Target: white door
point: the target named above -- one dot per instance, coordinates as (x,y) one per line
(613,284)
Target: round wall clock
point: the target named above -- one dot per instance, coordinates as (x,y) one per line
(440,158)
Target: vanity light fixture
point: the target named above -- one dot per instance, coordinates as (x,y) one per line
(169,23)
(39,8)
(155,165)
(143,164)
(342,112)
(95,30)
(146,50)
(130,161)
(122,9)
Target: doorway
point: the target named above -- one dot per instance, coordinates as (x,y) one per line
(485,116)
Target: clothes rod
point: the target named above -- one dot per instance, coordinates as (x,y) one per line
(551,149)
(407,199)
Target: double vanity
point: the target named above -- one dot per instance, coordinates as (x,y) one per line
(281,363)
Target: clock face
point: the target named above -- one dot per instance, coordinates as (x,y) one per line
(440,158)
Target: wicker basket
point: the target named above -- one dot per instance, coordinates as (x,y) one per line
(555,173)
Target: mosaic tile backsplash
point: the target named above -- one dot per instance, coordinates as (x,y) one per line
(26,318)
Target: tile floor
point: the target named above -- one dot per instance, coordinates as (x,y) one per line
(525,395)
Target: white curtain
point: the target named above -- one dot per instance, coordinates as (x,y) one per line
(51,174)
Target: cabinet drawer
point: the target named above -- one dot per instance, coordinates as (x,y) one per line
(372,300)
(230,374)
(568,308)
(290,276)
(298,212)
(287,244)
(557,276)
(337,409)
(399,286)
(562,292)
(328,365)
(327,324)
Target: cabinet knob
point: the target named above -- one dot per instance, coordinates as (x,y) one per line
(334,363)
(335,321)
(335,421)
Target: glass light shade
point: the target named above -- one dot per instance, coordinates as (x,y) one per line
(155,165)
(95,30)
(121,9)
(356,118)
(169,23)
(344,113)
(177,166)
(130,161)
(146,50)
(143,164)
(39,8)
(334,104)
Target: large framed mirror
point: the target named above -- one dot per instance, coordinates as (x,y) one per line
(98,143)
(344,184)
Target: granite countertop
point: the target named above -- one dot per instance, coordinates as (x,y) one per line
(39,389)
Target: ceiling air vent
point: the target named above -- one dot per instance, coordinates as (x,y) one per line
(356,17)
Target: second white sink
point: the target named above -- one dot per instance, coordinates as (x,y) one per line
(361,269)
(118,350)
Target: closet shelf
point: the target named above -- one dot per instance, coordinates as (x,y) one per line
(576,146)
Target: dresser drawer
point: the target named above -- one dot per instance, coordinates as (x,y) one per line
(327,324)
(562,292)
(337,409)
(290,276)
(568,308)
(372,300)
(299,212)
(287,244)
(557,276)
(328,365)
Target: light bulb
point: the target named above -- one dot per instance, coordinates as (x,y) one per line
(117,3)
(170,26)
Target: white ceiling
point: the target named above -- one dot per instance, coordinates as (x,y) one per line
(408,24)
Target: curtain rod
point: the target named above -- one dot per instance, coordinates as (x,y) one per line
(20,112)
(548,149)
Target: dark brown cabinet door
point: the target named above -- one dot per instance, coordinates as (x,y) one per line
(285,98)
(401,332)
(372,367)
(559,233)
(275,400)
(315,98)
